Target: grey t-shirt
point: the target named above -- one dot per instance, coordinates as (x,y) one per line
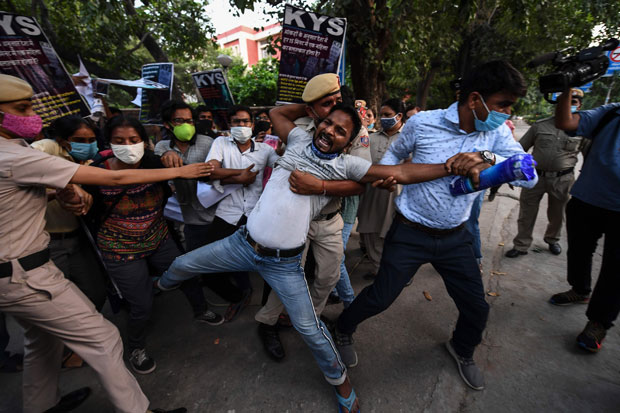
(281,218)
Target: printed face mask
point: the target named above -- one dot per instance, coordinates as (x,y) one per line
(184,132)
(494,119)
(388,123)
(129,154)
(83,151)
(26,127)
(241,134)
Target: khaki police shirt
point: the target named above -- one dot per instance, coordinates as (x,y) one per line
(24,174)
(553,149)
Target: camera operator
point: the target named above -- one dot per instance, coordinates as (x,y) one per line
(593,211)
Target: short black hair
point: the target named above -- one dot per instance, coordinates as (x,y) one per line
(396,105)
(201,109)
(170,106)
(357,123)
(121,121)
(240,108)
(492,77)
(63,128)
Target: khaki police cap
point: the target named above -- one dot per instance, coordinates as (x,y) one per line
(577,93)
(13,88)
(320,86)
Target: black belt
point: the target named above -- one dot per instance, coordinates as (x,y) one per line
(428,230)
(29,262)
(325,217)
(554,174)
(270,252)
(64,235)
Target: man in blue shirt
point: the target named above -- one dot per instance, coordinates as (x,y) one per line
(593,211)
(468,137)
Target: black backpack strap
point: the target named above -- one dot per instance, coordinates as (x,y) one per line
(607,117)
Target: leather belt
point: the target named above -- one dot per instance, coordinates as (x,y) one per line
(554,174)
(64,235)
(29,262)
(428,230)
(271,252)
(325,217)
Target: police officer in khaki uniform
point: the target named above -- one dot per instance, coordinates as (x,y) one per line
(321,93)
(556,156)
(51,309)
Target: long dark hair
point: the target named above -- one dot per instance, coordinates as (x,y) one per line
(120,121)
(63,128)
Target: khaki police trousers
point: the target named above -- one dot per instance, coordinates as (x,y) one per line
(557,190)
(326,239)
(54,314)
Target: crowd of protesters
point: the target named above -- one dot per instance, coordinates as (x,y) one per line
(83,220)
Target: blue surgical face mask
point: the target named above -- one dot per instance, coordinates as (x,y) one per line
(83,151)
(494,119)
(573,109)
(388,123)
(371,126)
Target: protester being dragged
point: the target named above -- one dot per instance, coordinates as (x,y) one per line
(187,146)
(324,237)
(70,249)
(132,235)
(376,210)
(52,310)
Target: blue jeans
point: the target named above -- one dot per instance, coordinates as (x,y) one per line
(473,227)
(286,278)
(344,288)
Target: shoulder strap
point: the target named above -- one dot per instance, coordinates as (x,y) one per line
(607,117)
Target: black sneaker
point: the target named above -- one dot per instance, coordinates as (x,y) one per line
(569,297)
(592,337)
(344,344)
(140,362)
(470,373)
(209,317)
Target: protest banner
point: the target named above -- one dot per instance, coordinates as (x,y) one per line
(26,52)
(213,88)
(152,99)
(312,44)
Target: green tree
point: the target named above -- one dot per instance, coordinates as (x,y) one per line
(254,86)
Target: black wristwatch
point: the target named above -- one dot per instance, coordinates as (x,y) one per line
(488,157)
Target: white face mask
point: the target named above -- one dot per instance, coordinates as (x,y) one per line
(241,134)
(129,154)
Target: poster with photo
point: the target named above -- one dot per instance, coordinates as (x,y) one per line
(26,52)
(152,99)
(312,44)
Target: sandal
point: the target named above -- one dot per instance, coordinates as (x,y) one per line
(72,361)
(346,403)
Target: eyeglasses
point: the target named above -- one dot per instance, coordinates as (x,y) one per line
(180,121)
(237,121)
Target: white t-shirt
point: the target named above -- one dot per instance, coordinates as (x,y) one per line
(241,201)
(281,218)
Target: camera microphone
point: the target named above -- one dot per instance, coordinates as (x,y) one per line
(542,59)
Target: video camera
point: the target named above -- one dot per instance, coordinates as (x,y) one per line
(573,70)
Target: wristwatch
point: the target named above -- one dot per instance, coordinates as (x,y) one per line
(488,157)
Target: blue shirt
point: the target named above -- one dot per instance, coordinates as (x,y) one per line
(433,137)
(599,182)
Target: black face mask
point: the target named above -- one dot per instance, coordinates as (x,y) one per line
(261,126)
(204,126)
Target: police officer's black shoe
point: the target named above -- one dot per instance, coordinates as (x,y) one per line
(271,341)
(513,253)
(71,400)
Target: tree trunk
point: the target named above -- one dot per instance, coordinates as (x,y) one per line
(425,85)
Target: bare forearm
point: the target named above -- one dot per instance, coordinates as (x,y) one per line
(283,117)
(343,188)
(88,175)
(409,173)
(564,118)
(225,173)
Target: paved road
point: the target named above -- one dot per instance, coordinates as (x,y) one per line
(528,354)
